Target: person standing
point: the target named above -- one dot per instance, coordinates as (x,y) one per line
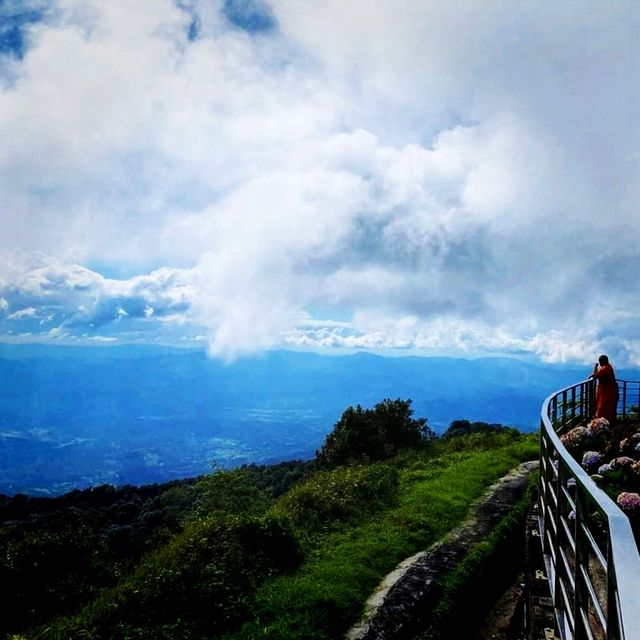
(607,392)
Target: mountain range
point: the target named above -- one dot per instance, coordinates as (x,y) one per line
(72,417)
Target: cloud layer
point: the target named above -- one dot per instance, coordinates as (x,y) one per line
(429,176)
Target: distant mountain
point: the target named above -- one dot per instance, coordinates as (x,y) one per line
(74,417)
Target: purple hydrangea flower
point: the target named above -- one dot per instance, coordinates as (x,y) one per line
(629,502)
(605,469)
(591,460)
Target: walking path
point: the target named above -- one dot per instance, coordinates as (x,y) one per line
(397,608)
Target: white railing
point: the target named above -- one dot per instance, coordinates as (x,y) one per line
(591,557)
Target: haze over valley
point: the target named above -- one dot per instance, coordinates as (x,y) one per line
(76,417)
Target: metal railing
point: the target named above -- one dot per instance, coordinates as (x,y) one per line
(592,561)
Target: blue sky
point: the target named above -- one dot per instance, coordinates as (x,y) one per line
(455,177)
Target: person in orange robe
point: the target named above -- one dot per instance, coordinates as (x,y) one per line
(607,392)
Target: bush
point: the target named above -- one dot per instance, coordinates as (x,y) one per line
(44,573)
(460,428)
(231,492)
(340,495)
(200,584)
(363,435)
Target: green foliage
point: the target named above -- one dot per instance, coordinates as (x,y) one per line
(486,440)
(43,573)
(363,435)
(481,577)
(344,565)
(222,555)
(459,428)
(277,479)
(199,584)
(231,492)
(56,554)
(342,495)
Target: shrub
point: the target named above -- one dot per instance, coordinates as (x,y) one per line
(201,583)
(459,428)
(363,435)
(231,492)
(346,494)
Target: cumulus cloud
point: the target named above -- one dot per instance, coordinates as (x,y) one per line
(45,292)
(418,175)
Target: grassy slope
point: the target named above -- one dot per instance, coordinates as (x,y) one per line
(302,565)
(344,566)
(479,580)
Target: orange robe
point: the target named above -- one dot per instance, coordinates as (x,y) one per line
(607,393)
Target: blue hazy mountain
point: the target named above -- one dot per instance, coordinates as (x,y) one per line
(72,417)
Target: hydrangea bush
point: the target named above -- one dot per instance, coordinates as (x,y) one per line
(612,459)
(629,502)
(592,460)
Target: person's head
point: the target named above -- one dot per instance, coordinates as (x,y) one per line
(603,360)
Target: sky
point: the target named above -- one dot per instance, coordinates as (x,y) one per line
(390,175)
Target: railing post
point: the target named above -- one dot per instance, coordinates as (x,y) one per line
(613,614)
(581,602)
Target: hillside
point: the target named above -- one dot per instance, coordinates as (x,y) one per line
(285,551)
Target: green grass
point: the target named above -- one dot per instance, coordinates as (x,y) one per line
(302,565)
(480,579)
(344,566)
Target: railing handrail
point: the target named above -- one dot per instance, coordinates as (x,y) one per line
(623,561)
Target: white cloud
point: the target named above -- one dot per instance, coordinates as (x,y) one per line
(28,312)
(47,290)
(441,175)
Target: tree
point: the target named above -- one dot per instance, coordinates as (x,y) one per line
(459,428)
(374,434)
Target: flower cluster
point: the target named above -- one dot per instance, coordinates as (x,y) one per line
(595,436)
(597,425)
(629,502)
(612,462)
(605,469)
(575,439)
(591,460)
(623,462)
(631,445)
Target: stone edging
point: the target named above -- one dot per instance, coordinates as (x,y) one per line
(415,586)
